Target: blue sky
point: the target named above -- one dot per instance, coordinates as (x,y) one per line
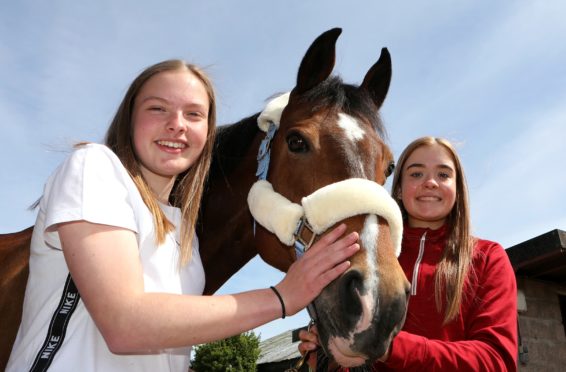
(489,76)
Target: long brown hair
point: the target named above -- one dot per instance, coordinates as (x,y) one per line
(456,262)
(190,185)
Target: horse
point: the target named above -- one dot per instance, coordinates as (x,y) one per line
(327,164)
(14,270)
(328,133)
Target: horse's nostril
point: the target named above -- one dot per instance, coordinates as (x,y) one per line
(351,287)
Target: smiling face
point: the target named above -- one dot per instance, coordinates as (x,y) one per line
(170,124)
(428,186)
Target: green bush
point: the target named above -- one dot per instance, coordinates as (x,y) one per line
(234,354)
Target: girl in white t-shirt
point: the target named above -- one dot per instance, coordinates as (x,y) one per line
(105,221)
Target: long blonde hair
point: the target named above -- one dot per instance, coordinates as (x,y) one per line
(189,185)
(456,262)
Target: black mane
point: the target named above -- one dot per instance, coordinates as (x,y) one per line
(231,144)
(333,92)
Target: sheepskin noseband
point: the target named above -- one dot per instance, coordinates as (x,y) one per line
(324,208)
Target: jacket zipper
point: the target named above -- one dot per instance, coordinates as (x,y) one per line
(417,265)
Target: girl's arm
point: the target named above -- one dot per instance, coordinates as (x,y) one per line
(104,263)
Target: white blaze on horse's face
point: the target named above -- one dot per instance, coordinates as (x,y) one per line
(354,133)
(353,130)
(340,347)
(368,238)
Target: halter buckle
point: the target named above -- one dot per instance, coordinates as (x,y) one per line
(304,237)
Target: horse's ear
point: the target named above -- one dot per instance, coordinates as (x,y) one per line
(318,62)
(378,78)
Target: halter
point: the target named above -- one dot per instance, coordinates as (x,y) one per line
(299,225)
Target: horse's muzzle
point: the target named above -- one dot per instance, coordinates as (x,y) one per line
(357,320)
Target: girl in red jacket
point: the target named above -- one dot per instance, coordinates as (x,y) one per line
(462,313)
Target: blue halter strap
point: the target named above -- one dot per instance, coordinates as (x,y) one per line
(264,153)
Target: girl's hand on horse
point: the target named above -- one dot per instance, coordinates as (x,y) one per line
(321,264)
(309,343)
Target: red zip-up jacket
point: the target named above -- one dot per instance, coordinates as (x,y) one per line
(482,337)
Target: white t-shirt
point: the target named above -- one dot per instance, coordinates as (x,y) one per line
(93,185)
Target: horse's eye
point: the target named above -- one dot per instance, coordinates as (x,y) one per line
(296,143)
(390,169)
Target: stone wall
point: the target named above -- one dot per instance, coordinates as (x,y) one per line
(541,325)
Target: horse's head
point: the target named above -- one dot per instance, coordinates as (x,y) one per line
(328,155)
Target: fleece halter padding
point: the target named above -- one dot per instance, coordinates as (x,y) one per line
(324,208)
(272,112)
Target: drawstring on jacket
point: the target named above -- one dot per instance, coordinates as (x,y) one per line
(417,265)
